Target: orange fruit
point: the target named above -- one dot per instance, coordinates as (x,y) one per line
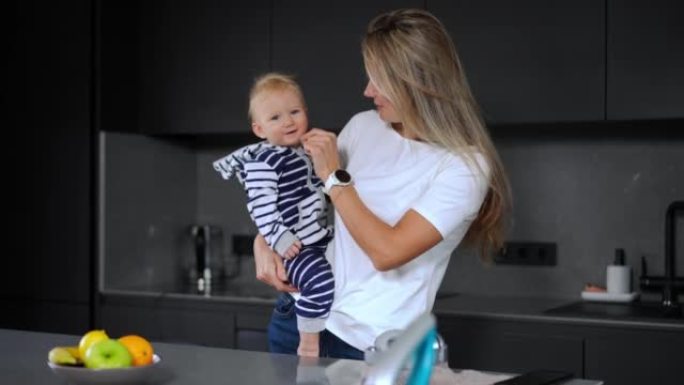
(140,348)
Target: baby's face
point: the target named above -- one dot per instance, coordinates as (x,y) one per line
(280,117)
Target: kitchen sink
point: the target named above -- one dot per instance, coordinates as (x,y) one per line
(233,289)
(633,311)
(225,289)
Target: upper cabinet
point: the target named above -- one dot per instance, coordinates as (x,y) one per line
(186,66)
(645,59)
(191,63)
(117,65)
(198,60)
(531,60)
(320,43)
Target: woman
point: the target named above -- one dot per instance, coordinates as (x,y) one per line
(425,178)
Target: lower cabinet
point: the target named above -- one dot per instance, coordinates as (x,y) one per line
(251,327)
(119,319)
(613,354)
(255,340)
(46,316)
(509,347)
(647,357)
(209,323)
(197,326)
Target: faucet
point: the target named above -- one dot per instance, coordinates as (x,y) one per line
(669,283)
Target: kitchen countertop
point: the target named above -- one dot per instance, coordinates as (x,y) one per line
(537,310)
(525,309)
(245,291)
(24,356)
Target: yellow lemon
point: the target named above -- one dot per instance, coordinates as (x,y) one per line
(90,338)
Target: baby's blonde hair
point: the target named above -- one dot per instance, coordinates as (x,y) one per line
(272,81)
(411,59)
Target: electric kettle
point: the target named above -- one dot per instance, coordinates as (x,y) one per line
(205,257)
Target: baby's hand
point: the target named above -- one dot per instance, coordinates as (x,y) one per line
(293,250)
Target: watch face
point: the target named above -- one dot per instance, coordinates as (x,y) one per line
(342,176)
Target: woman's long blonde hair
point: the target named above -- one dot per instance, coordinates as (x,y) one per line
(411,59)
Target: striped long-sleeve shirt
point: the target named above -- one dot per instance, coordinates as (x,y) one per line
(286,203)
(285,197)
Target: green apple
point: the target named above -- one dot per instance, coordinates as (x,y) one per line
(107,354)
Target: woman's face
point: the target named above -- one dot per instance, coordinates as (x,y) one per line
(382,104)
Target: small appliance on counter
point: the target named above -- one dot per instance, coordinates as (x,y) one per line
(204,265)
(384,341)
(409,350)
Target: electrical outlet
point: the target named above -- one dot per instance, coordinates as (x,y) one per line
(527,253)
(243,244)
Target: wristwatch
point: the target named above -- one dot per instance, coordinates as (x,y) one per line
(338,177)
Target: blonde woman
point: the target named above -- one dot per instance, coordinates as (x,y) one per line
(410,181)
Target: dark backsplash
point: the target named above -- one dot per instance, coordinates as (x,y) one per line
(589,196)
(150,195)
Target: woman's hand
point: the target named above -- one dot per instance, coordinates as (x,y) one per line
(269,266)
(322,147)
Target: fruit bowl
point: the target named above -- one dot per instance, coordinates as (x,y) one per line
(79,375)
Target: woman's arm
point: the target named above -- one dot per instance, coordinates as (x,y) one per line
(387,246)
(269,266)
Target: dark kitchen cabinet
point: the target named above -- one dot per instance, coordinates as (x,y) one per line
(629,357)
(198,60)
(610,353)
(33,313)
(220,323)
(251,325)
(118,65)
(533,60)
(645,59)
(47,263)
(509,346)
(197,326)
(320,43)
(168,321)
(187,66)
(130,317)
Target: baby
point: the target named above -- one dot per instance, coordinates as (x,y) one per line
(285,198)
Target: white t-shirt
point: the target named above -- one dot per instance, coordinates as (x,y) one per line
(392,175)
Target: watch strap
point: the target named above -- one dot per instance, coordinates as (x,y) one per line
(333,180)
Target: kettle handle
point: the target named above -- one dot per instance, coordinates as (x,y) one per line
(200,237)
